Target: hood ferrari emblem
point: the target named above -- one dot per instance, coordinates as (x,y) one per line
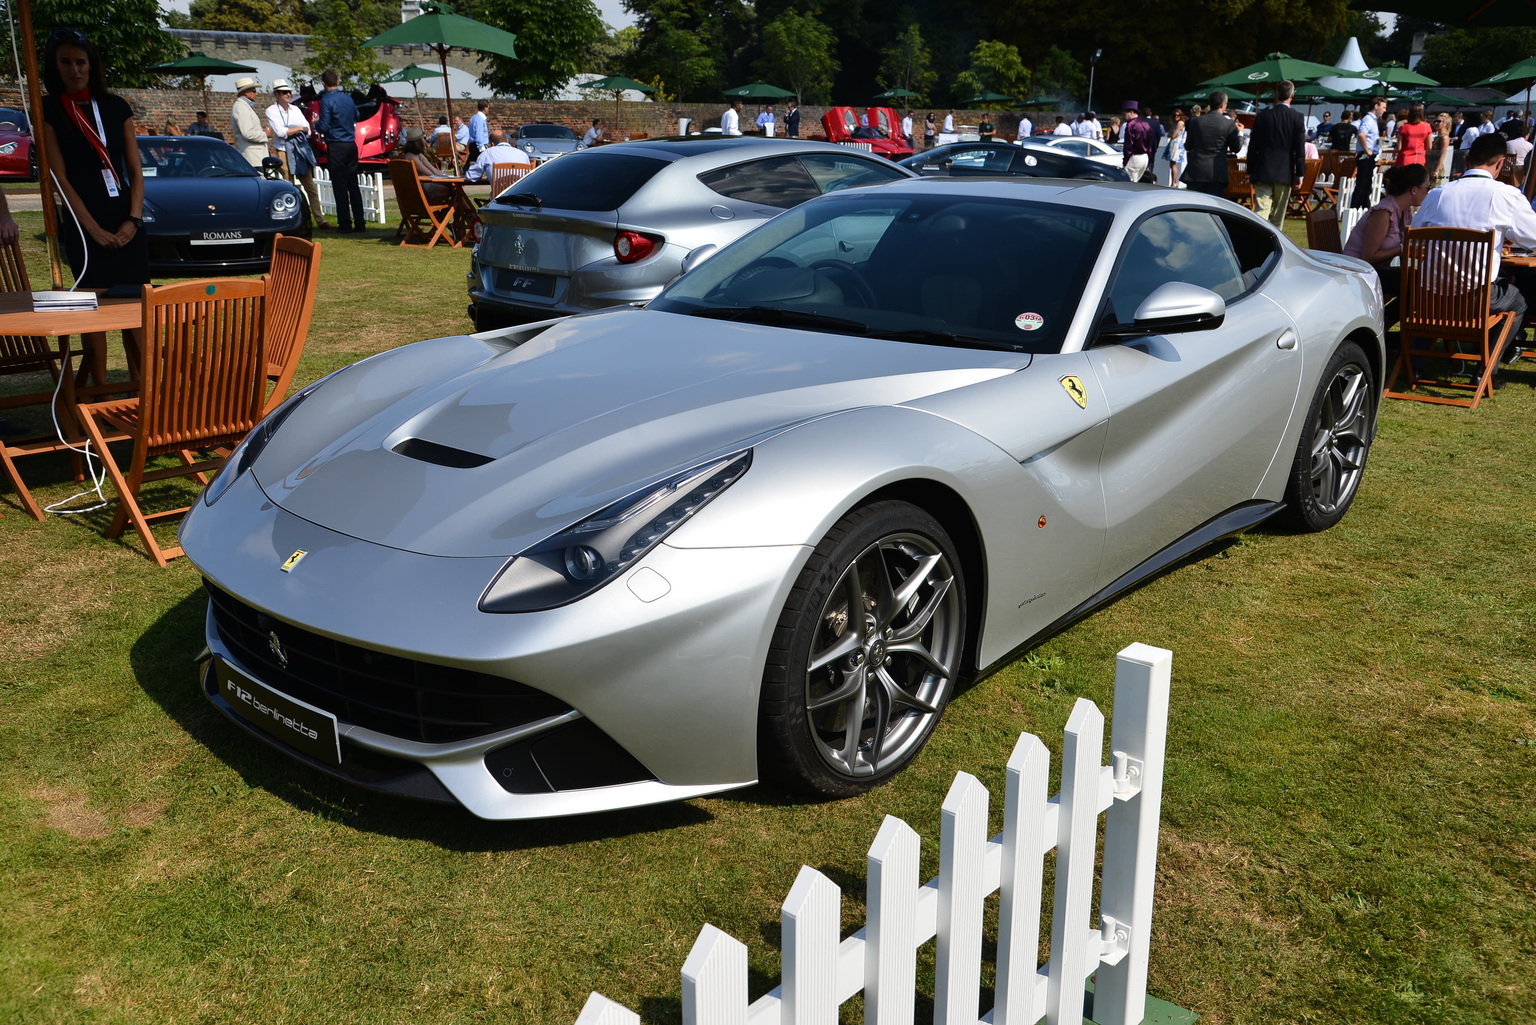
(293,560)
(1075,391)
(276,644)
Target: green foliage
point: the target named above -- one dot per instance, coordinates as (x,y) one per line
(611,54)
(249,16)
(553,37)
(907,64)
(797,53)
(1464,56)
(337,40)
(1059,74)
(129,41)
(995,68)
(673,45)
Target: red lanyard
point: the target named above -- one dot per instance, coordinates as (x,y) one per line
(98,141)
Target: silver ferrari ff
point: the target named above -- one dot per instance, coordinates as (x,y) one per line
(762,527)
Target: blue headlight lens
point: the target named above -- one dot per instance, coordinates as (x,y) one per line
(584,557)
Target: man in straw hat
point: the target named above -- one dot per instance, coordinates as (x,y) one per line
(250,134)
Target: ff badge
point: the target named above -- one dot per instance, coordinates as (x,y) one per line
(1075,391)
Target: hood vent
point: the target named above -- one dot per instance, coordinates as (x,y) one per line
(442,455)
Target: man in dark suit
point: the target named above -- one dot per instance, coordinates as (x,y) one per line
(1211,136)
(1277,154)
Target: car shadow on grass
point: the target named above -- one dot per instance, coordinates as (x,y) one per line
(164,661)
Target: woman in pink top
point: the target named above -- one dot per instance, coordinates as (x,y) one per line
(1413,137)
(1378,238)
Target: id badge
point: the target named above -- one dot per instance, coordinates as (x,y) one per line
(110,180)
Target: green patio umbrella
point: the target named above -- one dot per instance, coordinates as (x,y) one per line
(1524,70)
(1312,92)
(440,30)
(1204,95)
(414,73)
(616,84)
(897,94)
(1044,101)
(1278,67)
(759,91)
(200,66)
(1395,73)
(986,99)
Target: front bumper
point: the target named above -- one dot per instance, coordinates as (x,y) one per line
(652,680)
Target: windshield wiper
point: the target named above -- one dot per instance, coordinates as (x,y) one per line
(779,315)
(949,338)
(525,198)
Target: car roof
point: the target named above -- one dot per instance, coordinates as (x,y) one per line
(678,147)
(1122,199)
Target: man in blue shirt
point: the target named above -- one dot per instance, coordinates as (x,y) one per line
(1367,149)
(337,124)
(479,129)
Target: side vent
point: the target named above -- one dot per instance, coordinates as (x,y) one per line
(442,455)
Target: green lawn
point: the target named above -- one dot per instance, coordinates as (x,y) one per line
(1348,833)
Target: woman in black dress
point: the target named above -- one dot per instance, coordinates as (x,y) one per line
(94,154)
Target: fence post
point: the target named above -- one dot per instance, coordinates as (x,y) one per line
(1138,741)
(599,1010)
(715,980)
(1082,743)
(1023,877)
(963,844)
(890,939)
(811,921)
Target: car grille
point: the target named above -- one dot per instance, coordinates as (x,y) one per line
(401,697)
(172,250)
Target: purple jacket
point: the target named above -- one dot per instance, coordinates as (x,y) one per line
(1137,138)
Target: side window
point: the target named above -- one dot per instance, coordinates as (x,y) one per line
(778,181)
(1257,249)
(1183,245)
(832,172)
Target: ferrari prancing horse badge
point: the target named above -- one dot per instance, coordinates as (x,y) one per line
(1075,391)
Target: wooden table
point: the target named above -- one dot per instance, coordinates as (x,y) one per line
(18,318)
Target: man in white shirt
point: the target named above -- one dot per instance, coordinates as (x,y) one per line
(500,151)
(949,123)
(1026,127)
(594,134)
(1062,128)
(906,126)
(1478,200)
(285,119)
(730,121)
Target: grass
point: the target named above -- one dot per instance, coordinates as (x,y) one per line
(1347,830)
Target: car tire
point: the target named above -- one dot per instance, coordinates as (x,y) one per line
(894,667)
(1335,441)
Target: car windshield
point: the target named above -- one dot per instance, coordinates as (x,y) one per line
(191,157)
(590,180)
(545,132)
(937,269)
(13,120)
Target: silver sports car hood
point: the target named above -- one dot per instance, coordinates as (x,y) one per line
(467,447)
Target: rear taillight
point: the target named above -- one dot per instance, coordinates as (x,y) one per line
(476,229)
(633,246)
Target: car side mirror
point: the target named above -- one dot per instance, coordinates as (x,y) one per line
(699,255)
(272,167)
(1174,307)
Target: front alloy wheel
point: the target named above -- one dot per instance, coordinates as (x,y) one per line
(866,653)
(1335,441)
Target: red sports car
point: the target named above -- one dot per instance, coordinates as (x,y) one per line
(378,124)
(842,125)
(18,159)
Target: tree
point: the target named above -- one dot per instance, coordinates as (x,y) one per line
(249,16)
(797,49)
(673,46)
(131,40)
(611,54)
(995,68)
(907,64)
(1059,74)
(338,43)
(1468,55)
(553,37)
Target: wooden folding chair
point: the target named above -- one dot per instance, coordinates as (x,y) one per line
(21,355)
(1239,185)
(502,177)
(1323,230)
(290,303)
(418,218)
(1337,168)
(1302,198)
(1447,284)
(202,388)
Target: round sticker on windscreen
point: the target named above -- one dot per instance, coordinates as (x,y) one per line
(1029,322)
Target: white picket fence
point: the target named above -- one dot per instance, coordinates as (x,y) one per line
(821,971)
(372,186)
(1350,215)
(863,147)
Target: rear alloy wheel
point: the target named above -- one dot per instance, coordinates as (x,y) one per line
(866,653)
(1335,441)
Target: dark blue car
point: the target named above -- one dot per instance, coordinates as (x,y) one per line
(208,211)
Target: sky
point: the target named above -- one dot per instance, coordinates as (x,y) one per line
(613,11)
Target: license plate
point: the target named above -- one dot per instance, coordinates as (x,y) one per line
(526,282)
(312,730)
(233,237)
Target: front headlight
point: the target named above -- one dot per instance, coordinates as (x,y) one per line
(245,454)
(285,206)
(527,147)
(582,558)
